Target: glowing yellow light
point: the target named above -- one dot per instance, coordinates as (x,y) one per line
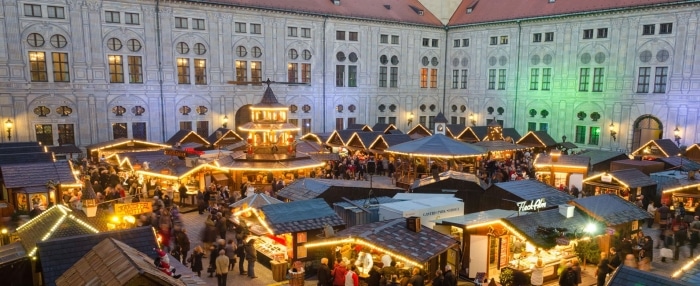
(115,219)
(602,174)
(130,219)
(365,243)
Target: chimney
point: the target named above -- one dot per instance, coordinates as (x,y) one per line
(555,155)
(566,210)
(413,223)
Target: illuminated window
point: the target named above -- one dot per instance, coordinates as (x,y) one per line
(66,134)
(306,73)
(306,126)
(433,78)
(241,71)
(200,71)
(116,69)
(594,136)
(135,69)
(60,67)
(120,130)
(424,78)
(44,134)
(37,67)
(292,69)
(256,71)
(183,71)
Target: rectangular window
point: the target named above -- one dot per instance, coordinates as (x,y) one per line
(534,78)
(492,79)
(32,10)
(294,122)
(648,29)
(60,67)
(381,119)
(580,136)
(185,125)
(203,128)
(426,42)
(433,78)
(116,69)
(588,34)
(200,71)
(339,75)
(183,71)
(531,126)
(464,79)
(256,71)
(594,138)
(44,134)
(138,130)
(584,78)
(546,78)
(112,17)
(504,40)
(602,33)
(424,77)
(434,43)
(291,31)
(306,125)
(119,130)
(198,24)
(306,32)
(643,79)
(666,28)
(549,37)
(660,79)
(493,41)
(239,27)
(292,69)
(352,76)
(352,121)
(340,35)
(501,79)
(597,80)
(131,18)
(241,71)
(382,76)
(457,43)
(135,69)
(537,37)
(181,23)
(544,127)
(352,36)
(422,120)
(37,66)
(453,119)
(383,39)
(306,73)
(55,12)
(394,77)
(394,39)
(339,123)
(465,42)
(431,122)
(455,79)
(66,134)
(255,29)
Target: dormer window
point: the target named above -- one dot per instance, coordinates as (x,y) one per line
(469,10)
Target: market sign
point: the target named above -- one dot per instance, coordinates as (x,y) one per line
(531,205)
(132,208)
(182,153)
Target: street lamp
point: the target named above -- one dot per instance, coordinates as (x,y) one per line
(676,135)
(563,138)
(472,119)
(410,119)
(8,127)
(613,132)
(225,124)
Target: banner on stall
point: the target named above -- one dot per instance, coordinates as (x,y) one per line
(132,208)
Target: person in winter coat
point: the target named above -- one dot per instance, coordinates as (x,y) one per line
(338,274)
(251,257)
(438,280)
(537,279)
(240,252)
(196,260)
(324,274)
(230,248)
(222,266)
(450,278)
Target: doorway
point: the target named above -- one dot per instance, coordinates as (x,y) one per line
(243,116)
(646,128)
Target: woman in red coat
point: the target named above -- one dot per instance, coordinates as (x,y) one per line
(338,274)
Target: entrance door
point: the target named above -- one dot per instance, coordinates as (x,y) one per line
(478,254)
(646,128)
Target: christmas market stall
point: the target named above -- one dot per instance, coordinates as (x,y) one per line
(385,128)
(689,272)
(679,163)
(41,184)
(601,159)
(646,166)
(465,186)
(693,152)
(96,152)
(246,214)
(290,226)
(679,187)
(363,211)
(523,195)
(540,141)
(226,139)
(628,184)
(561,171)
(657,149)
(473,134)
(418,131)
(403,239)
(628,275)
(333,191)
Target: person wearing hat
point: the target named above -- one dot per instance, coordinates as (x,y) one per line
(163,264)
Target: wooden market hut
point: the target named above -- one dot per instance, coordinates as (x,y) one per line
(454,130)
(39,183)
(464,186)
(184,136)
(539,140)
(626,275)
(473,134)
(362,140)
(226,139)
(693,152)
(679,187)
(657,148)
(600,159)
(65,152)
(359,127)
(122,145)
(403,244)
(419,131)
(387,140)
(646,166)
(561,170)
(333,191)
(384,127)
(627,183)
(679,163)
(506,195)
(112,261)
(58,255)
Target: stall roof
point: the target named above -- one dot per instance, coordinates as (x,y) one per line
(419,131)
(224,135)
(112,261)
(363,139)
(455,129)
(437,145)
(419,196)
(340,137)
(19,144)
(266,162)
(529,223)
(599,156)
(682,163)
(57,221)
(130,144)
(658,148)
(57,255)
(477,218)
(256,201)
(625,275)
(38,174)
(610,209)
(448,175)
(533,189)
(307,188)
(65,149)
(394,236)
(691,274)
(384,127)
(481,132)
(316,137)
(570,161)
(359,127)
(186,136)
(12,252)
(22,158)
(493,146)
(633,178)
(22,149)
(388,140)
(671,181)
(537,139)
(299,216)
(419,204)
(362,202)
